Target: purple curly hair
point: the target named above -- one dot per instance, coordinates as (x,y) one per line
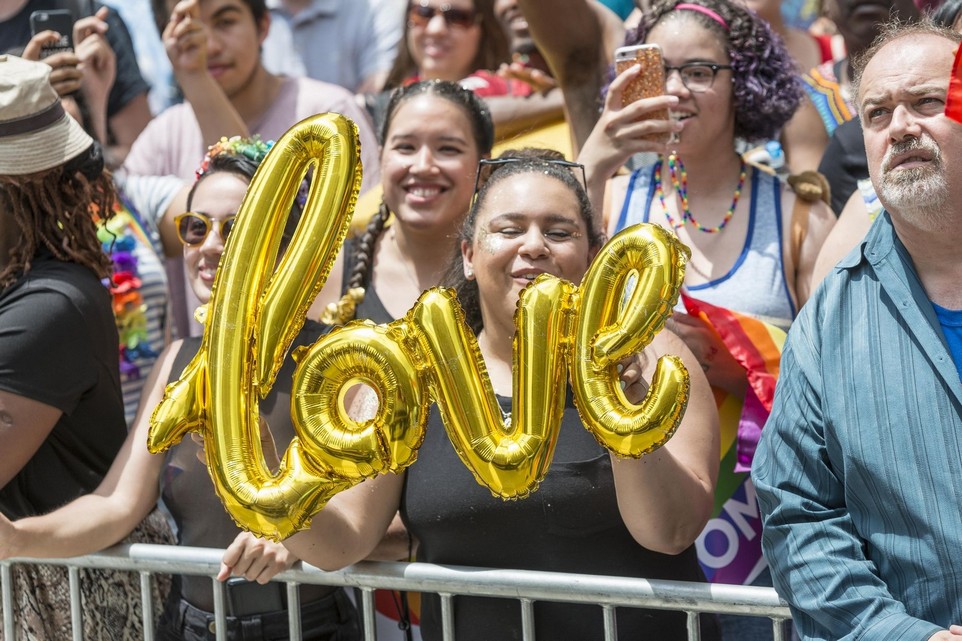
(765,81)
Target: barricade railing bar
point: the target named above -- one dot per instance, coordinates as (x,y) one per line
(525,586)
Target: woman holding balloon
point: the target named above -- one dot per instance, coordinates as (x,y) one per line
(593,512)
(137,478)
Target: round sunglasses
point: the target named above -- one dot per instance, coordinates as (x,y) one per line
(193,227)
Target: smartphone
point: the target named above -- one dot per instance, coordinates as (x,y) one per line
(59,20)
(648,84)
(245,598)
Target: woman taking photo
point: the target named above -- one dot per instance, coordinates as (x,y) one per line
(753,241)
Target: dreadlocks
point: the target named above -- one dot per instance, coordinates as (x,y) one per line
(55,209)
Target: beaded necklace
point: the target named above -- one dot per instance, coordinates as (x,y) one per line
(676,168)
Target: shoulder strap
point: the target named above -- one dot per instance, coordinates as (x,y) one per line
(809,187)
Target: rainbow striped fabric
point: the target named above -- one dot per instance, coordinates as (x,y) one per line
(729,548)
(823,88)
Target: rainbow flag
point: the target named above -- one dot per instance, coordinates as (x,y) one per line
(953,103)
(729,548)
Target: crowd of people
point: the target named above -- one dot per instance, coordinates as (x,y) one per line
(808,167)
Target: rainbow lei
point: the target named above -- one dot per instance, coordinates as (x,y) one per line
(676,167)
(118,236)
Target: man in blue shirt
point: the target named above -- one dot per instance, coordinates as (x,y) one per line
(859,469)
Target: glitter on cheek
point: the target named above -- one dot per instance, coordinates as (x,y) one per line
(490,243)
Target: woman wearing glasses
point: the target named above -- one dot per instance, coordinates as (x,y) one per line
(137,478)
(753,242)
(728,78)
(463,41)
(593,513)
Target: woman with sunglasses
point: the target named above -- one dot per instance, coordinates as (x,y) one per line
(463,41)
(593,513)
(137,478)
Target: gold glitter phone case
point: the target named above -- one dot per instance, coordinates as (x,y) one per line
(648,84)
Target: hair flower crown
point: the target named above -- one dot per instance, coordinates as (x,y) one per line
(253,148)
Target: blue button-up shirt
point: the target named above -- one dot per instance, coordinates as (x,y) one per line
(859,469)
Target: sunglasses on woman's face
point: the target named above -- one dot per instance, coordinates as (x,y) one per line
(193,227)
(421,13)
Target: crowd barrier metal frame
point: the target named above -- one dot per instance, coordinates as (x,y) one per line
(447,581)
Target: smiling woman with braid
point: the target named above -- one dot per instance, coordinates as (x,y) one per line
(433,136)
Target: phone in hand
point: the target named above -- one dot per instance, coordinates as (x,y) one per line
(245,598)
(648,84)
(59,20)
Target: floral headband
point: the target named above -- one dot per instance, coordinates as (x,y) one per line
(252,148)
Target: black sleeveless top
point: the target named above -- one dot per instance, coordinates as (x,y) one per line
(188,492)
(371,307)
(570,524)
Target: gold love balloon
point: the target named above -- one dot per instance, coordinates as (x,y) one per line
(427,356)
(254,313)
(431,355)
(657,261)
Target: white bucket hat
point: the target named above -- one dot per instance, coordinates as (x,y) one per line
(35,132)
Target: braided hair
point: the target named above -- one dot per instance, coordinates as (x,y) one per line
(482,129)
(53,208)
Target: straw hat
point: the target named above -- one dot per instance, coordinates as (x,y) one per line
(35,132)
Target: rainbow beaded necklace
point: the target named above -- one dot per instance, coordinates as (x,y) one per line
(679,178)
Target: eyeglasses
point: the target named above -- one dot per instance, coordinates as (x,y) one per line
(696,76)
(421,13)
(193,227)
(486,167)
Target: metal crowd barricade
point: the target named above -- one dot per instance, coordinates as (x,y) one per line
(447,581)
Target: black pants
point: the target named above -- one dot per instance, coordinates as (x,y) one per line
(332,618)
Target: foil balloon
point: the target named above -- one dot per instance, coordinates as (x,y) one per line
(373,355)
(254,313)
(608,331)
(508,455)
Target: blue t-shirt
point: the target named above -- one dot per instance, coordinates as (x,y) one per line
(951,322)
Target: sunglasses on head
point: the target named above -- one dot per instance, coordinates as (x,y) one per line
(487,166)
(421,13)
(193,227)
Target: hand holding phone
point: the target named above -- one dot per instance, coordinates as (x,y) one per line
(649,83)
(58,20)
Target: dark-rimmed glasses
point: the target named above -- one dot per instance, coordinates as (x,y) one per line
(193,227)
(421,13)
(696,76)
(487,166)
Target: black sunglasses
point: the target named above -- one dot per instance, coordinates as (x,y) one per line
(421,13)
(486,167)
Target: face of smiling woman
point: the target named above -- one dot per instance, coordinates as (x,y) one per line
(428,163)
(219,196)
(529,224)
